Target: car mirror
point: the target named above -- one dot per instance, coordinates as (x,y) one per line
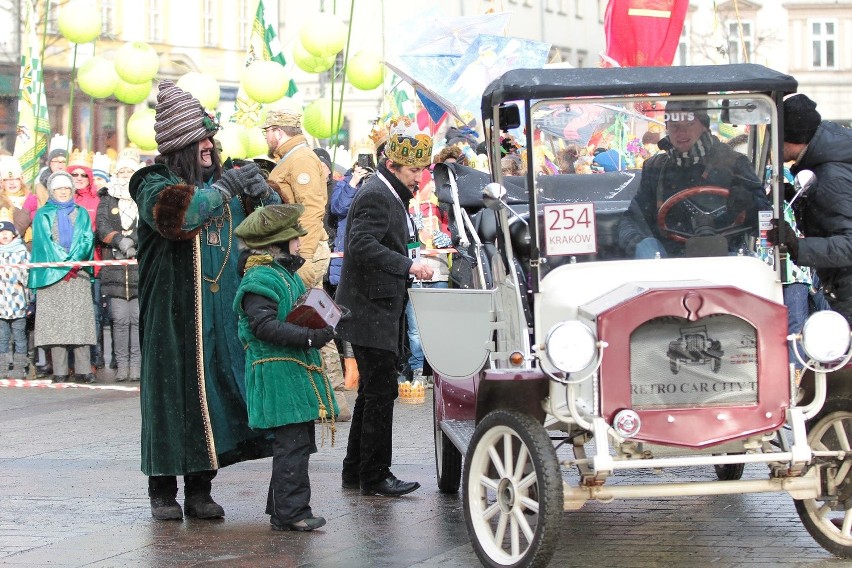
(493,194)
(509,116)
(802,182)
(745,111)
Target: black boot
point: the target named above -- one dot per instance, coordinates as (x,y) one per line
(162,490)
(197,500)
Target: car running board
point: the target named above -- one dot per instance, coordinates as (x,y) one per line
(460,432)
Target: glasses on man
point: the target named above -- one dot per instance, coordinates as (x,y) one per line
(79,175)
(58,161)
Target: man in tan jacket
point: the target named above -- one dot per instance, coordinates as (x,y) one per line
(298,178)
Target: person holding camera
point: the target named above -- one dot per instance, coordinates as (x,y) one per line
(117,218)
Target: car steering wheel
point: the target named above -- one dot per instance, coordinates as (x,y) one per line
(686,196)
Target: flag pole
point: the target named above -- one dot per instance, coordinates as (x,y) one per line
(343,79)
(71,89)
(41,59)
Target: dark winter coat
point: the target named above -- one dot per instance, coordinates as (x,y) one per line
(116,281)
(374,279)
(825,211)
(341,201)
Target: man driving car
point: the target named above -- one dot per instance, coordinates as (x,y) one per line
(696,186)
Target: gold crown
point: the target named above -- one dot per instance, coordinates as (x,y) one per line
(407,145)
(378,134)
(362,147)
(80,158)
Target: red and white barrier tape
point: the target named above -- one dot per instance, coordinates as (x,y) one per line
(72,263)
(424,252)
(48,384)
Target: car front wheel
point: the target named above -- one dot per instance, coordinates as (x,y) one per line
(513,494)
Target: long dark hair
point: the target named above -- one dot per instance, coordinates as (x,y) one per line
(184,162)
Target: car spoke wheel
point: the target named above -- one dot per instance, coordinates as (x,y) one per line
(448,460)
(829,518)
(513,494)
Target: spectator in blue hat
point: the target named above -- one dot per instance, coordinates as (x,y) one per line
(14,300)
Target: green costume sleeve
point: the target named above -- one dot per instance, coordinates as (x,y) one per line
(45,249)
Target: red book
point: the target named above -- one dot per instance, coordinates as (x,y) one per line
(315,309)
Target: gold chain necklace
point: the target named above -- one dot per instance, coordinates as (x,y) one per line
(214,283)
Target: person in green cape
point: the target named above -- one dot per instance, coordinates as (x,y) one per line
(286,388)
(192,389)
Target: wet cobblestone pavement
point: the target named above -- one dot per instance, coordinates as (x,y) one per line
(71,494)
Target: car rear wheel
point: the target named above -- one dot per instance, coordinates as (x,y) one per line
(829,518)
(513,494)
(448,459)
(730,471)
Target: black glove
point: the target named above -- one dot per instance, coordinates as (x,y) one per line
(229,184)
(252,181)
(739,200)
(125,243)
(319,337)
(790,238)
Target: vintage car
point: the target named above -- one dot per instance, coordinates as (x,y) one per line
(552,354)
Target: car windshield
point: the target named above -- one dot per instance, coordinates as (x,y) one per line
(619,179)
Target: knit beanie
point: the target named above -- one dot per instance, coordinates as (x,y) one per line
(801,119)
(56,153)
(57,180)
(179,119)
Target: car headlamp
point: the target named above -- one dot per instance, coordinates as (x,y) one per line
(571,346)
(825,336)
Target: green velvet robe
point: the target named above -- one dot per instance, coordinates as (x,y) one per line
(280,380)
(192,391)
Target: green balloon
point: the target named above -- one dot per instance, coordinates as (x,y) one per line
(97,77)
(140,129)
(310,63)
(132,93)
(320,121)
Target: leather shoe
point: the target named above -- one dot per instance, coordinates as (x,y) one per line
(390,487)
(60,379)
(305,525)
(85,379)
(165,509)
(203,507)
(349,483)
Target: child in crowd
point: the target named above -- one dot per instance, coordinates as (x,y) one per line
(14,301)
(286,388)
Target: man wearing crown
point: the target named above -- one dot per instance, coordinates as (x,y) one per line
(380,262)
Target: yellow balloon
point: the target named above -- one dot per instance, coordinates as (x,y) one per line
(365,71)
(320,120)
(309,62)
(132,93)
(97,77)
(136,62)
(265,81)
(256,143)
(323,35)
(140,129)
(80,21)
(233,140)
(201,86)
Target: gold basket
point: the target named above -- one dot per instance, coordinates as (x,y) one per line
(412,393)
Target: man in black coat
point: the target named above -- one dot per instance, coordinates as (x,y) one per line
(377,271)
(824,212)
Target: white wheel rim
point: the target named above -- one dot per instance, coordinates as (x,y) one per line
(836,522)
(498,505)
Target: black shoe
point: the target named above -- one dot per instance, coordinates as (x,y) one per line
(98,361)
(44,370)
(85,379)
(113,364)
(203,507)
(349,483)
(60,379)
(390,487)
(305,525)
(165,509)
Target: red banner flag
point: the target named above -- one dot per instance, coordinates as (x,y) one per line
(643,32)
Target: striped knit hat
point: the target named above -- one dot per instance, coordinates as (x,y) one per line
(180,119)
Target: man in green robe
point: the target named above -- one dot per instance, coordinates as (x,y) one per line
(192,387)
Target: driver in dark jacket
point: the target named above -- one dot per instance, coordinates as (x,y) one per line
(691,157)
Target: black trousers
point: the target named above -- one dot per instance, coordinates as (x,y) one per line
(289,498)
(196,483)
(370,447)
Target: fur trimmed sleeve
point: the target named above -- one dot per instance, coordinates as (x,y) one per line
(170,212)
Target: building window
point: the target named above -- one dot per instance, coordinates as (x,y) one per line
(681,56)
(155,21)
(528,3)
(823,42)
(740,45)
(53,22)
(581,58)
(548,6)
(209,19)
(108,18)
(245,23)
(563,7)
(579,9)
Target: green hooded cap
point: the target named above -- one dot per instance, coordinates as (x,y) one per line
(270,225)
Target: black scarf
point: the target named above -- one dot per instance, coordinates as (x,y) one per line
(695,154)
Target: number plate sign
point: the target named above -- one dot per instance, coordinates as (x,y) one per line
(569,228)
